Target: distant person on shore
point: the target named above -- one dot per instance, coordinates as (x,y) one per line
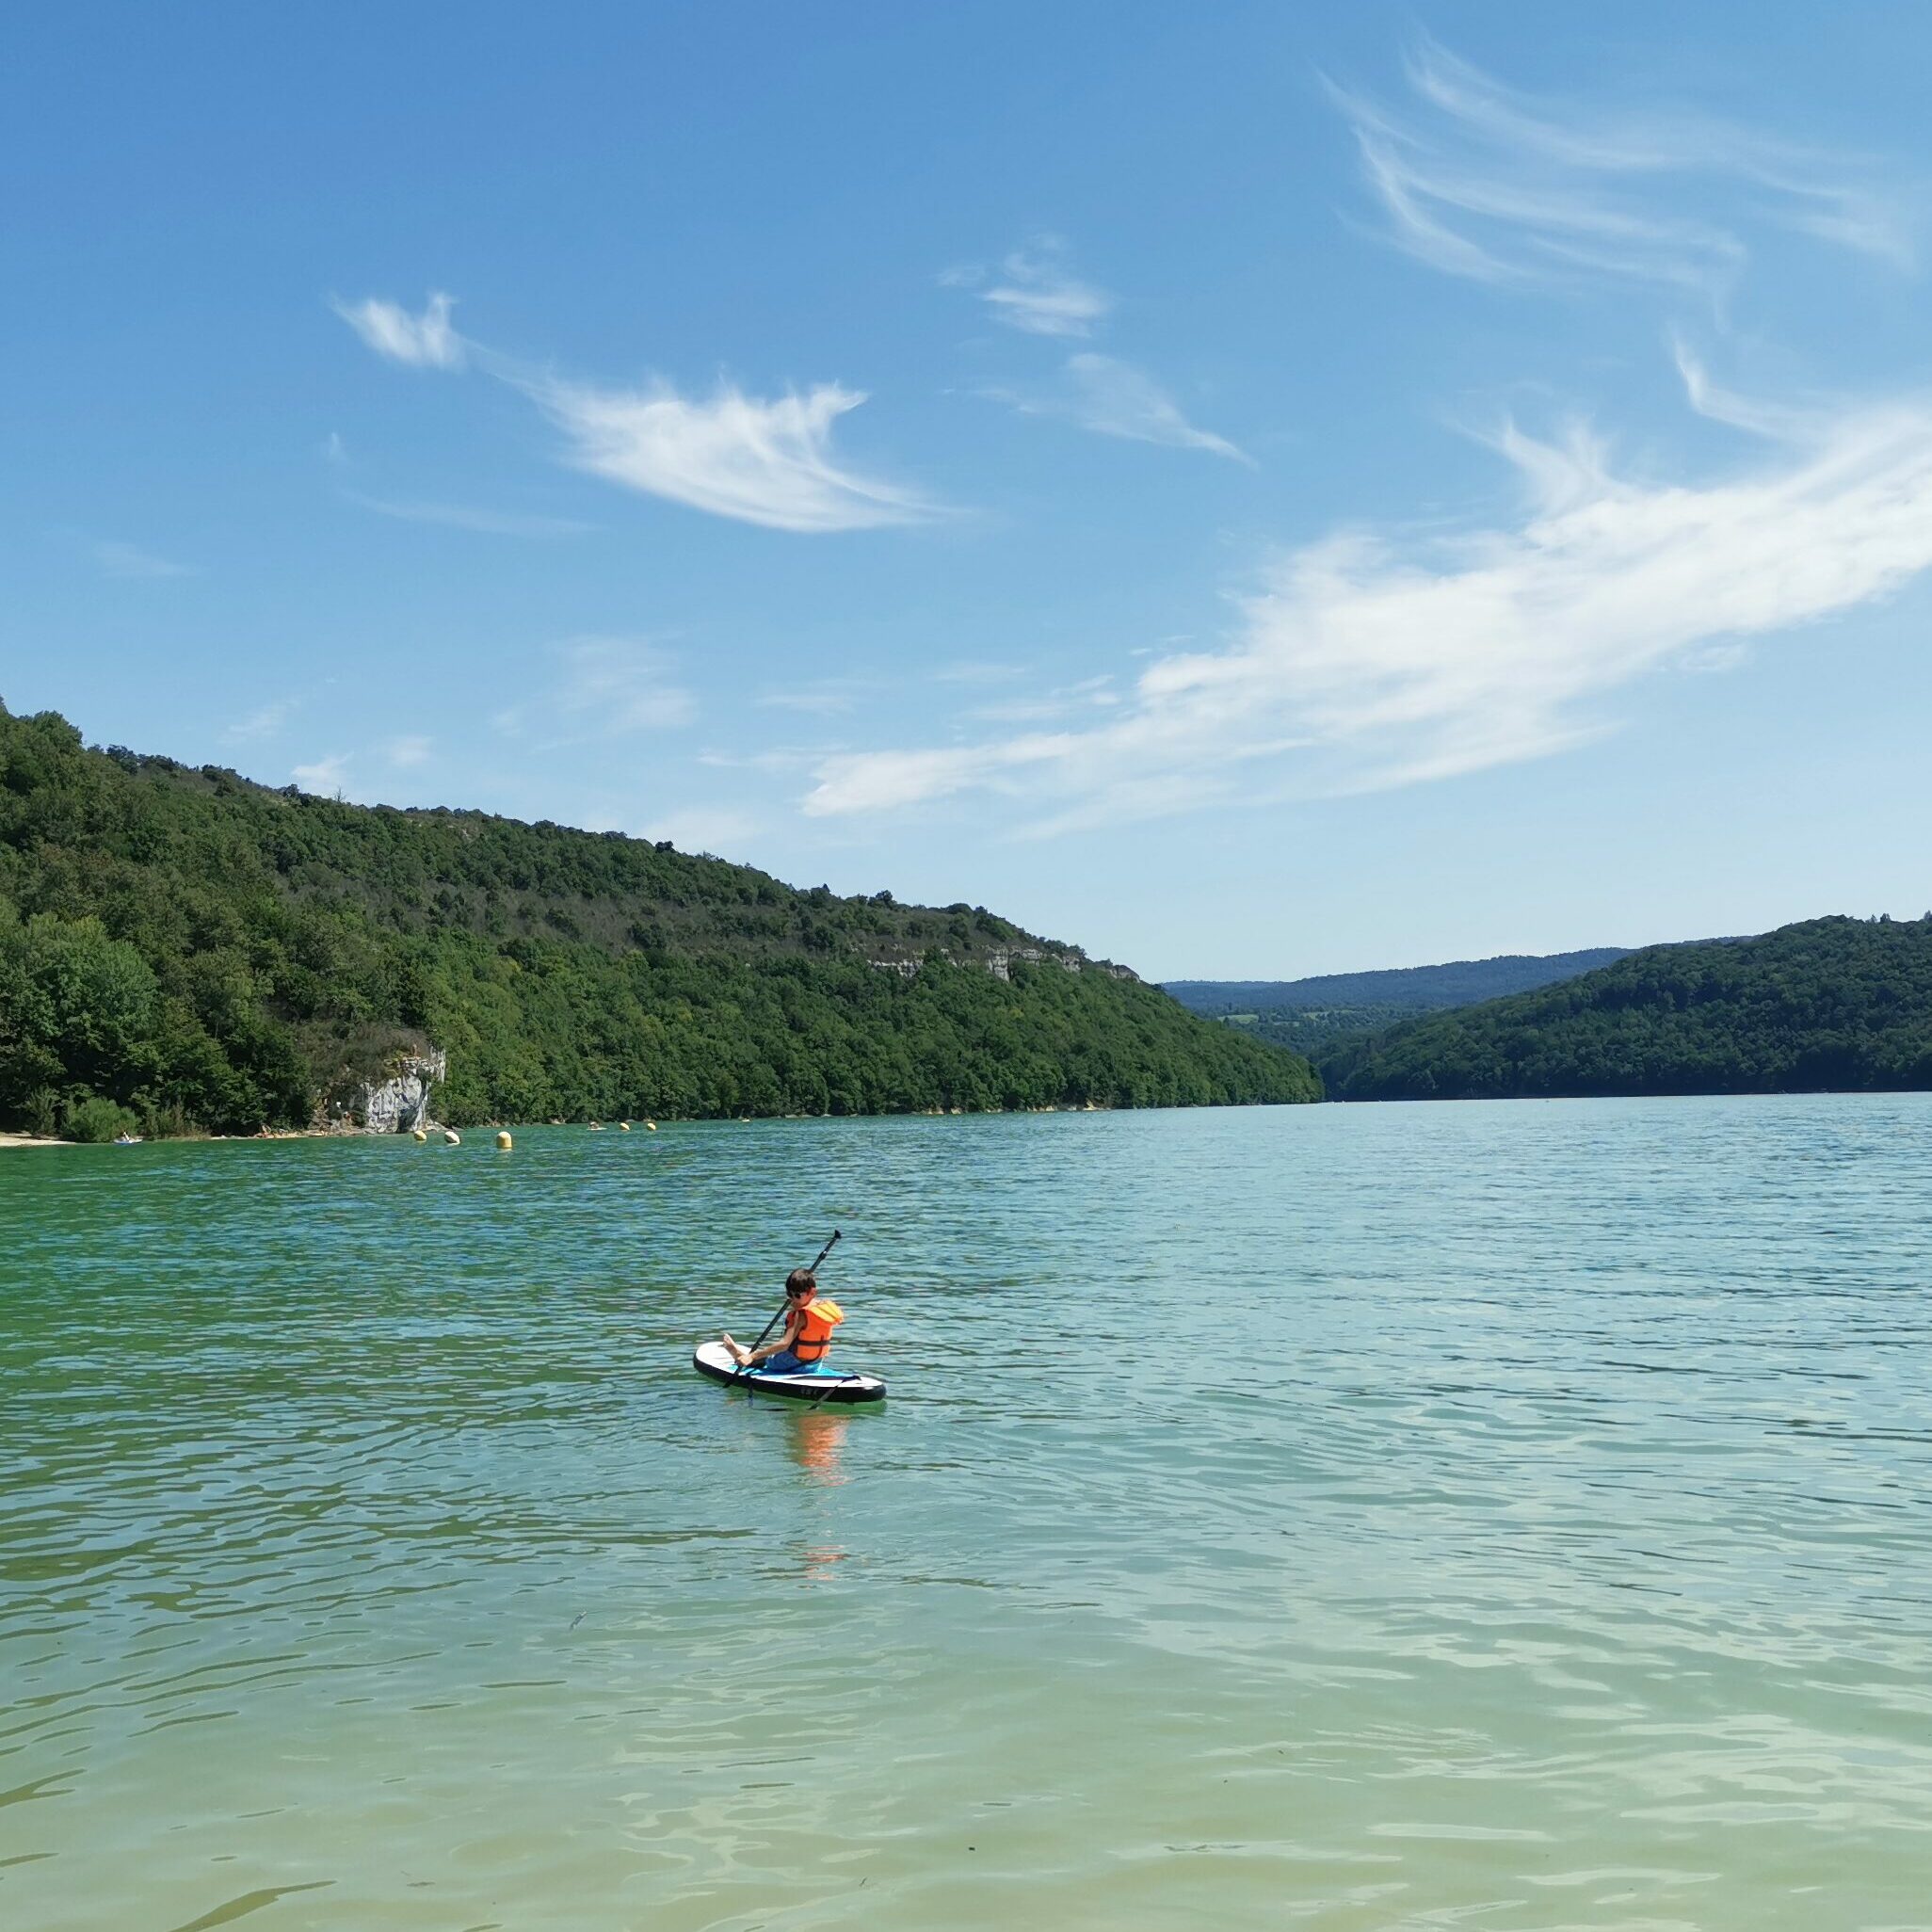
(809,1319)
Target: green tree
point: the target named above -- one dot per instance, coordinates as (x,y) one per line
(212,953)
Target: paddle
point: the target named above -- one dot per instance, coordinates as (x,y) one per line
(851,1376)
(742,1370)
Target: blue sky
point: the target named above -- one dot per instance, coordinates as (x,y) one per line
(1251,490)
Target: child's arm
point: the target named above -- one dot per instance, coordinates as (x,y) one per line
(783,1341)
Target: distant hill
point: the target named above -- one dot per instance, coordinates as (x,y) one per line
(1828,1004)
(1416,988)
(1303,1015)
(181,949)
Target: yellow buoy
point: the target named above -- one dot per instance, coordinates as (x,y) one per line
(419,1135)
(652,1125)
(503,1140)
(450,1137)
(626,1125)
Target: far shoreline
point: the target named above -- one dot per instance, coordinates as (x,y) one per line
(1433,1101)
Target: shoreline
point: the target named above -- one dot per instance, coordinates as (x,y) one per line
(8,1139)
(12,1140)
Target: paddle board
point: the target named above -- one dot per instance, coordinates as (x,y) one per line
(827,1384)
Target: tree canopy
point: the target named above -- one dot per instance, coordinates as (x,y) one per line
(1832,1003)
(1407,989)
(1311,1016)
(184,950)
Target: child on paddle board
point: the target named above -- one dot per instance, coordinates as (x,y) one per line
(809,1319)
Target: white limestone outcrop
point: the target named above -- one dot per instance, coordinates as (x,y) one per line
(998,960)
(400,1104)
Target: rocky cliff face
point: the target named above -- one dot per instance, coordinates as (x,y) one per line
(401,1103)
(999,960)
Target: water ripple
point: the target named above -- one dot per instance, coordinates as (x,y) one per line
(1507,1517)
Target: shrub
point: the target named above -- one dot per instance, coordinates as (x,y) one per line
(94,1118)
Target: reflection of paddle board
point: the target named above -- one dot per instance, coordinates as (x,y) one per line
(826,1384)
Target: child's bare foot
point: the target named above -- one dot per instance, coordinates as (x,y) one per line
(736,1353)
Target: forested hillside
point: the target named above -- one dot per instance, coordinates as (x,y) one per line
(1417,989)
(1830,1004)
(1306,1016)
(184,950)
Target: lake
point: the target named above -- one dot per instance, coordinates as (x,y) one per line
(1508,1516)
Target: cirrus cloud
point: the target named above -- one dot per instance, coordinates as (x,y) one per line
(704,829)
(760,461)
(424,342)
(1481,181)
(621,685)
(1364,661)
(763,460)
(325,777)
(458,515)
(1114,399)
(129,560)
(1111,397)
(1036,294)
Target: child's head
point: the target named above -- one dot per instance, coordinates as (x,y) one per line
(801,1284)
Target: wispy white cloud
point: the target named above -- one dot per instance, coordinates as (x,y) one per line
(773,758)
(1364,661)
(1036,292)
(1114,399)
(326,776)
(619,685)
(1066,700)
(408,751)
(767,462)
(265,723)
(1755,415)
(334,450)
(975,670)
(424,342)
(457,516)
(1020,711)
(819,698)
(1037,295)
(609,687)
(714,828)
(129,560)
(1483,181)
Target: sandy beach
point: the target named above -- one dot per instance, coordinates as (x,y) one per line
(30,1140)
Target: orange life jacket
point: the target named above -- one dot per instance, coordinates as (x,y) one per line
(815,1326)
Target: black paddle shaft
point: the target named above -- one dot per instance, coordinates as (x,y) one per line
(852,1376)
(812,1270)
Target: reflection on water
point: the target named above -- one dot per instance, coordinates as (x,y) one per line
(816,1437)
(821,1559)
(1555,1553)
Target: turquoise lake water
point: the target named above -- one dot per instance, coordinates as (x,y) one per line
(1485,1516)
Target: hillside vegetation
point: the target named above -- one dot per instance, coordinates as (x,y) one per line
(1832,1004)
(181,949)
(1307,1015)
